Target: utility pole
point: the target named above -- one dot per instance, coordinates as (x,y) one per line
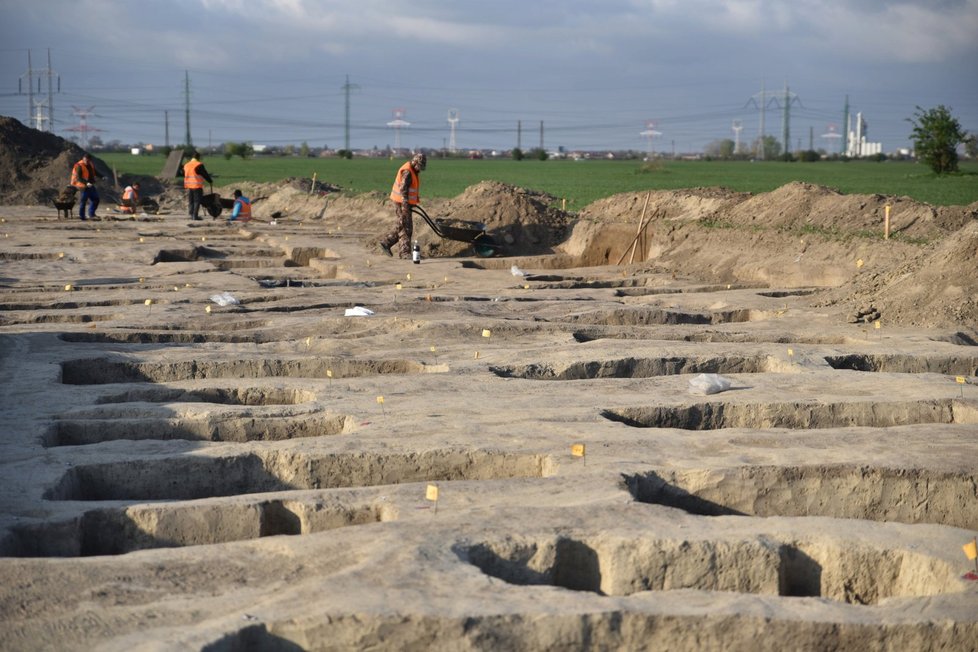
(519,134)
(166,129)
(35,107)
(347,87)
(541,135)
(789,99)
(760,101)
(452,120)
(186,92)
(845,128)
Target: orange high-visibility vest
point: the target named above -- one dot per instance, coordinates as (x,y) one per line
(413,192)
(190,177)
(244,214)
(82,174)
(129,200)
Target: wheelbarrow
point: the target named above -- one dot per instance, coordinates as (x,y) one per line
(213,203)
(462,231)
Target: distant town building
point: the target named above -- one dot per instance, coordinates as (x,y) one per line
(857,145)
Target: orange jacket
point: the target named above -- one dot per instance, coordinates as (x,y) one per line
(130,198)
(414,194)
(244,210)
(82,174)
(192,178)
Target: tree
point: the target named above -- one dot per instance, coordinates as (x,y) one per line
(971,146)
(771,147)
(936,135)
(517,154)
(304,149)
(722,149)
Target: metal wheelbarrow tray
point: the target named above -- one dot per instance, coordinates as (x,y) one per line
(462,231)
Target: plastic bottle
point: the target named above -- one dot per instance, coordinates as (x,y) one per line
(416,253)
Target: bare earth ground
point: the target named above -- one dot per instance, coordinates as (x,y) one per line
(180,475)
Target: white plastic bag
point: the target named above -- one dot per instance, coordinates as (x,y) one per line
(708,384)
(225,299)
(358,311)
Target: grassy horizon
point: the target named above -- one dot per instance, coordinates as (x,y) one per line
(583,182)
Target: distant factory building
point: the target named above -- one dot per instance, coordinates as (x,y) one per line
(857,146)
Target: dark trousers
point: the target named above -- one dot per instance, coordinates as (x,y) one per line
(89,194)
(402,231)
(194,197)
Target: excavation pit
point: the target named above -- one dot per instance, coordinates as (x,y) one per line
(637,368)
(836,491)
(219,395)
(797,414)
(663,316)
(190,477)
(619,566)
(906,364)
(81,432)
(97,371)
(116,531)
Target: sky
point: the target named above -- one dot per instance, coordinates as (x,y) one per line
(582,75)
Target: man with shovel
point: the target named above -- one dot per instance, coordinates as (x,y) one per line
(405,194)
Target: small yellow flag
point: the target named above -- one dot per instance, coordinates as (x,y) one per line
(431,493)
(68,288)
(791,352)
(207,310)
(142,239)
(486,332)
(432,349)
(859,263)
(971,549)
(329,373)
(61,254)
(577,450)
(877,325)
(380,399)
(960,380)
(397,286)
(148,302)
(409,277)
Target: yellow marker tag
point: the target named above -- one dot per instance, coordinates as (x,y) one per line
(186,285)
(860,263)
(329,373)
(577,450)
(446,279)
(308,341)
(791,352)
(61,254)
(68,288)
(486,332)
(970,549)
(960,380)
(140,279)
(142,239)
(397,286)
(176,288)
(409,277)
(380,399)
(148,302)
(203,238)
(431,492)
(207,310)
(526,287)
(876,324)
(432,349)
(476,355)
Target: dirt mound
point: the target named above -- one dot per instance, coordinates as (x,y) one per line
(937,288)
(524,222)
(690,204)
(36,165)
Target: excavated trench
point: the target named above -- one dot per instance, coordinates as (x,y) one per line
(907,364)
(219,395)
(623,333)
(638,367)
(796,414)
(836,491)
(619,566)
(190,477)
(96,371)
(663,316)
(81,432)
(115,531)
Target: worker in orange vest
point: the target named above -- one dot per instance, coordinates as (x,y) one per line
(242,208)
(194,175)
(130,199)
(405,193)
(83,176)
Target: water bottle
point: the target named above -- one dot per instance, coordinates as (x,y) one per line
(416,253)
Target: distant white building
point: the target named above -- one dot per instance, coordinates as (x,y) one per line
(857,146)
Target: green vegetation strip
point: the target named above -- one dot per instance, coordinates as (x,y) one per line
(583,182)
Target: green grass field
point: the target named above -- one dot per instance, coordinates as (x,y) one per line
(582,182)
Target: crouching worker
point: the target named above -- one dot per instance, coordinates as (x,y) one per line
(130,199)
(242,208)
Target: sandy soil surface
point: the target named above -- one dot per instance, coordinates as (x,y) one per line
(180,474)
